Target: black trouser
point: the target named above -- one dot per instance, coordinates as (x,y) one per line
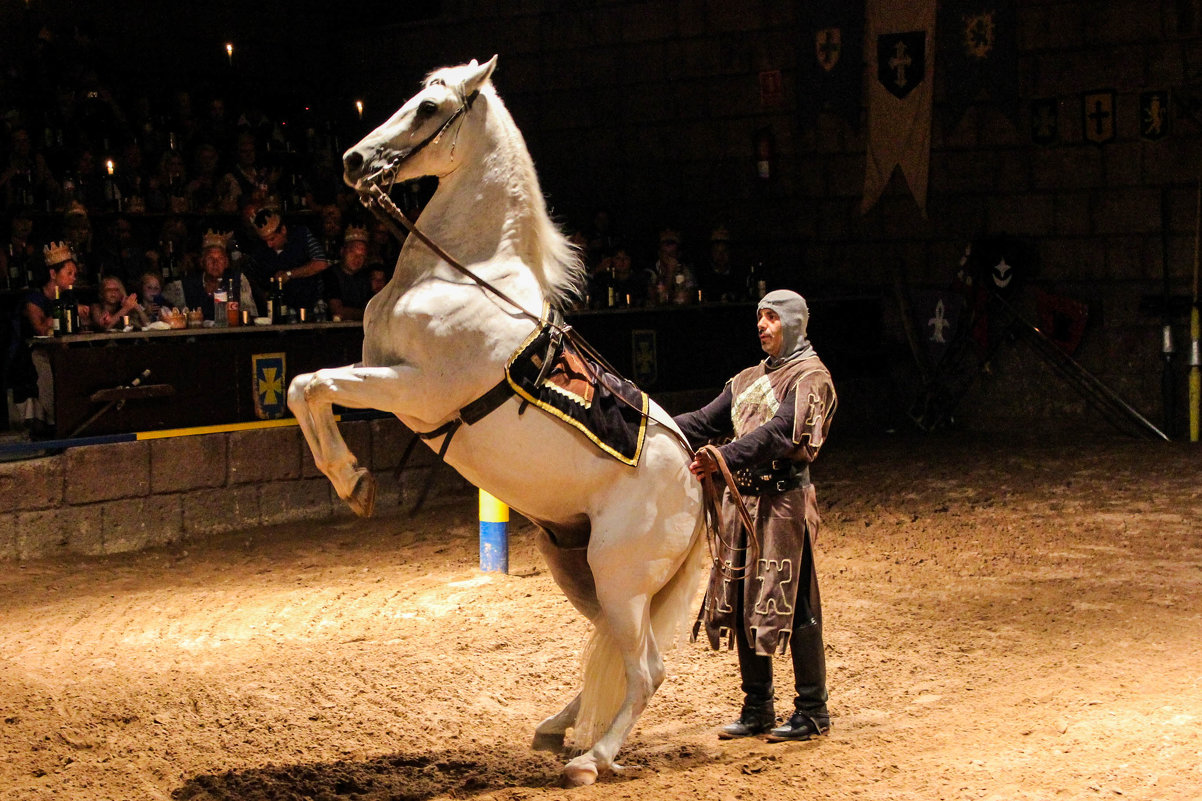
(805,646)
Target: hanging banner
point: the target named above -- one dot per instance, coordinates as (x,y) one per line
(1045,121)
(978,55)
(831,60)
(1154,115)
(1097,116)
(901,65)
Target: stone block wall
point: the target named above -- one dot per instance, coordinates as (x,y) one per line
(650,108)
(105,499)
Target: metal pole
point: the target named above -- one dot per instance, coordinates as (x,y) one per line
(1167,383)
(1195,357)
(494,534)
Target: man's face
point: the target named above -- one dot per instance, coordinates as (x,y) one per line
(214,262)
(276,239)
(354,256)
(772,338)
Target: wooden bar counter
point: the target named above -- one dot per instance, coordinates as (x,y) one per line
(212,370)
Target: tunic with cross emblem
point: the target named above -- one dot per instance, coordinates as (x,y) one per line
(773,413)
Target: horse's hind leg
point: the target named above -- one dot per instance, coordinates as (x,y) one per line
(550,733)
(629,623)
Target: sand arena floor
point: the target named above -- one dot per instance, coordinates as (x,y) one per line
(1004,621)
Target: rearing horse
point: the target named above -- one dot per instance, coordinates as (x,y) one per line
(436,340)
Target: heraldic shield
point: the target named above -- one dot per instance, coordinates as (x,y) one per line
(828,45)
(901,60)
(270,381)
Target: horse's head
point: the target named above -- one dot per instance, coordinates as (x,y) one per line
(419,139)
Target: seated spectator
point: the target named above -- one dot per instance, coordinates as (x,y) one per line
(331,228)
(115,308)
(77,235)
(167,188)
(202,190)
(196,290)
(248,181)
(348,287)
(120,255)
(377,277)
(151,290)
(33,385)
(291,255)
(19,260)
(721,282)
(617,274)
(671,281)
(26,179)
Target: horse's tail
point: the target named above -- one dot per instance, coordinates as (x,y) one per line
(604,685)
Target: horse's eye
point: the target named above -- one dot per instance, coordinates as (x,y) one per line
(427,107)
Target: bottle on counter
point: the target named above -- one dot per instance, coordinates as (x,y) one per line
(56,313)
(220,305)
(277,309)
(321,311)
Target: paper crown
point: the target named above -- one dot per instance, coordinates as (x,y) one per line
(354,233)
(215,239)
(720,234)
(75,208)
(56,253)
(266,222)
(669,235)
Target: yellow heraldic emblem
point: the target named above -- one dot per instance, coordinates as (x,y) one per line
(270,380)
(758,394)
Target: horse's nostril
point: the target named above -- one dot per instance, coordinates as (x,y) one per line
(353,161)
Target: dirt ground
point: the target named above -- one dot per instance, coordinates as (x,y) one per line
(1004,620)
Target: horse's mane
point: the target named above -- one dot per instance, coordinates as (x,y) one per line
(556,262)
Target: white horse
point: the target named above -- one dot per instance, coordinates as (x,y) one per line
(435,341)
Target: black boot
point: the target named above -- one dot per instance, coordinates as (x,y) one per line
(754,719)
(801,727)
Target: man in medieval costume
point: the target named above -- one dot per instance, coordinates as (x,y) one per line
(763,588)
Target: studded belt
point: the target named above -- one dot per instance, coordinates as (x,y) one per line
(770,478)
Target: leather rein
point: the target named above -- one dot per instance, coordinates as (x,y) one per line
(380,204)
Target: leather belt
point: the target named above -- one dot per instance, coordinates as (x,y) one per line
(777,476)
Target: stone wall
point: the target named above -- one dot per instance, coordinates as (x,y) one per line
(650,108)
(106,499)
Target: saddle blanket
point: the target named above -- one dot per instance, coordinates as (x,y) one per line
(606,408)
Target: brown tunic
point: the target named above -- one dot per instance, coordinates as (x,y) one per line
(782,520)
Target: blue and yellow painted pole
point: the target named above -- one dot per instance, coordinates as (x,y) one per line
(494,534)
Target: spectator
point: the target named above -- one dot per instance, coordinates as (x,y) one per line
(195,291)
(26,178)
(247,182)
(120,255)
(151,284)
(617,273)
(167,190)
(291,256)
(114,308)
(377,276)
(33,387)
(671,281)
(721,282)
(331,228)
(19,260)
(77,235)
(348,287)
(202,190)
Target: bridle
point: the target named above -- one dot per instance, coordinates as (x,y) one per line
(378,201)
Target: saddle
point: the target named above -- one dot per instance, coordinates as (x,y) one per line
(548,371)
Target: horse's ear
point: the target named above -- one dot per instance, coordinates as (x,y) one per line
(480,74)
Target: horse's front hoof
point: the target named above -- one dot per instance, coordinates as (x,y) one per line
(362,499)
(580,772)
(547,741)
